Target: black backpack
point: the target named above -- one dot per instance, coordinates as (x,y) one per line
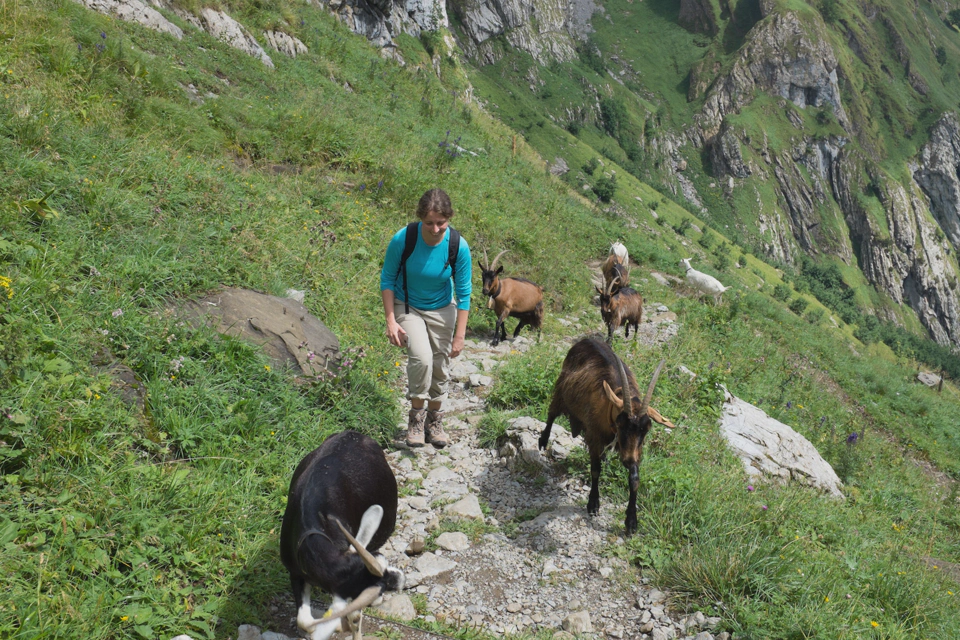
(410,243)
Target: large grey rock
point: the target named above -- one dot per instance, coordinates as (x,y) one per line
(248,632)
(430,565)
(289,334)
(929,379)
(468,507)
(135,11)
(399,606)
(453,541)
(287,45)
(578,623)
(227,30)
(768,447)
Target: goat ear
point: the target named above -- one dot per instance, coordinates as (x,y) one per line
(500,269)
(611,396)
(480,264)
(369,524)
(656,417)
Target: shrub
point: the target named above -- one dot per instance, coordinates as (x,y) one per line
(573,127)
(941,56)
(814,316)
(723,262)
(798,305)
(614,115)
(782,292)
(683,227)
(742,261)
(590,166)
(605,188)
(830,10)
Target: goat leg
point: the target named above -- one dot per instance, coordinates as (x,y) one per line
(545,434)
(520,325)
(633,480)
(593,504)
(496,334)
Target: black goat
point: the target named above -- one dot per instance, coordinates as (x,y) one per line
(586,392)
(345,485)
(517,297)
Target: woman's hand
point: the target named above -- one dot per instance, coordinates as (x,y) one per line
(397,336)
(457,346)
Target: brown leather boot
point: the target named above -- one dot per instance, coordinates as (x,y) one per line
(415,422)
(435,434)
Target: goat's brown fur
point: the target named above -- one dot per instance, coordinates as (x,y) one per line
(589,392)
(517,297)
(613,268)
(620,307)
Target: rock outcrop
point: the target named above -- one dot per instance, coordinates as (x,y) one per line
(767,447)
(539,28)
(698,16)
(135,11)
(785,56)
(938,174)
(380,21)
(227,30)
(285,43)
(288,333)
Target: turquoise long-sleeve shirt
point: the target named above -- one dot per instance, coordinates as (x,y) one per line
(429,277)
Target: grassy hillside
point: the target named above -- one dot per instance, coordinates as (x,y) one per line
(641,77)
(122,195)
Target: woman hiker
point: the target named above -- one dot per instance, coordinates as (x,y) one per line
(427,265)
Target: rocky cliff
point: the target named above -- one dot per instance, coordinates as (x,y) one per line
(890,232)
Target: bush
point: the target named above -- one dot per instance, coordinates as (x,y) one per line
(573,127)
(798,305)
(590,166)
(605,188)
(814,316)
(782,292)
(742,261)
(683,227)
(614,115)
(941,56)
(723,262)
(830,10)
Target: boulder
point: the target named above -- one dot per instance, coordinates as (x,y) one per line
(288,333)
(227,30)
(770,448)
(135,11)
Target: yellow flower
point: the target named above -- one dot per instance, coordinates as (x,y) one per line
(874,624)
(826,599)
(267,367)
(124,618)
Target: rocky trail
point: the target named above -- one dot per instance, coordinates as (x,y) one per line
(498,538)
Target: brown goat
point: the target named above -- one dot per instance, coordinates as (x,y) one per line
(613,268)
(517,297)
(623,307)
(590,392)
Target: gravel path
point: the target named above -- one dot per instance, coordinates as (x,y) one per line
(509,546)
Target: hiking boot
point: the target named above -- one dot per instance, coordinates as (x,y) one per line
(415,421)
(435,434)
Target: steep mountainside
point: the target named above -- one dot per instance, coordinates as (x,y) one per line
(824,128)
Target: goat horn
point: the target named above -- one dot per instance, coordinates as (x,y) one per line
(493,264)
(366,597)
(485,261)
(625,388)
(653,383)
(368,560)
(609,288)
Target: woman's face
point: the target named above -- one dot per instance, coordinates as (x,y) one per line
(433,228)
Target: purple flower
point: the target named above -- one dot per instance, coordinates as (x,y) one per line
(789,405)
(852,438)
(103,35)
(749,487)
(362,187)
(380,185)
(764,507)
(79,48)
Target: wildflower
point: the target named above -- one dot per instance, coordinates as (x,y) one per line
(267,368)
(103,35)
(764,507)
(874,624)
(380,185)
(5,283)
(362,187)
(124,618)
(117,313)
(79,48)
(826,599)
(749,487)
(852,438)
(789,405)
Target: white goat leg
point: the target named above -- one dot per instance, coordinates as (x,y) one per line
(324,629)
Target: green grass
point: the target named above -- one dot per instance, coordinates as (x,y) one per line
(116,523)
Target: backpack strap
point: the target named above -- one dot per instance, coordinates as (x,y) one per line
(454,251)
(409,244)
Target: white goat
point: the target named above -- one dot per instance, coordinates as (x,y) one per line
(620,251)
(703,282)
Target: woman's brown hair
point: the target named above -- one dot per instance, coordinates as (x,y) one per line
(437,201)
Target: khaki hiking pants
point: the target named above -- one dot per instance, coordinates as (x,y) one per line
(429,339)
